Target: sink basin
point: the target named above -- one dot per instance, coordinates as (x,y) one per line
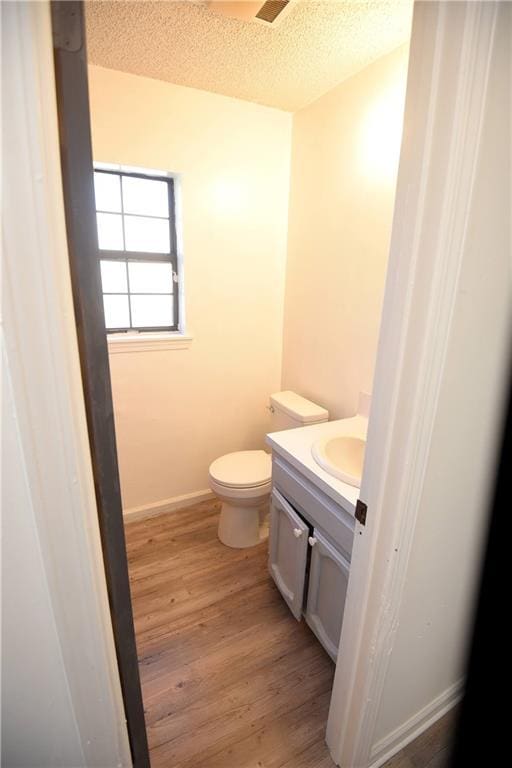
(342,456)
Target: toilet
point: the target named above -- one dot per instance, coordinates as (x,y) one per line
(242,480)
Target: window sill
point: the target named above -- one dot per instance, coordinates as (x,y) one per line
(147,342)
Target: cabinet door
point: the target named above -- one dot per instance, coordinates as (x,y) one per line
(288,551)
(328,580)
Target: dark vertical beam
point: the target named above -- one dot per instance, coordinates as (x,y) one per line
(77,174)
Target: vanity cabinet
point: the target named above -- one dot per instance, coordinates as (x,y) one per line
(288,552)
(310,542)
(328,581)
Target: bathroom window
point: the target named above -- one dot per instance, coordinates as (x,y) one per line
(135,214)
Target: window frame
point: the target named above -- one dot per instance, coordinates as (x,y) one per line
(126,257)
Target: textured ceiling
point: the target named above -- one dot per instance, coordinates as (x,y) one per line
(315,46)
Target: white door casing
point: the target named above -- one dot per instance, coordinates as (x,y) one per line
(451,48)
(47,415)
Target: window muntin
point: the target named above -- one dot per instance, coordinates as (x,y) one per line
(137,247)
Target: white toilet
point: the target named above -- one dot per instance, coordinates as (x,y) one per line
(242,480)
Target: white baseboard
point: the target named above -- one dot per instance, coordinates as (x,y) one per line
(408,731)
(166,505)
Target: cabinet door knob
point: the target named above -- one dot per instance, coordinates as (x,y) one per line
(312,541)
(297,533)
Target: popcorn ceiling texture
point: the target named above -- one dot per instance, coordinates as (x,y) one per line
(310,50)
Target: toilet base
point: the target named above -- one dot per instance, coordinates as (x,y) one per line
(242,526)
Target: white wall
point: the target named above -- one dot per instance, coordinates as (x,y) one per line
(428,655)
(177,410)
(27,613)
(61,694)
(440,369)
(343,175)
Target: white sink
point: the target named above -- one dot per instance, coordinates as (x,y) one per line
(341,456)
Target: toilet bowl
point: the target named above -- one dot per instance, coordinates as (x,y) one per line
(242,482)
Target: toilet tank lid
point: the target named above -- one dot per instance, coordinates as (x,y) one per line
(298,407)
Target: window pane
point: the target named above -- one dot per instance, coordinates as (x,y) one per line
(145,196)
(113,277)
(110,231)
(150,277)
(107,190)
(153,311)
(116,311)
(151,235)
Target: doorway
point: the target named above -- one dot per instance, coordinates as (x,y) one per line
(268,628)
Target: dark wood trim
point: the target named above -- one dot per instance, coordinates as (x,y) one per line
(77,175)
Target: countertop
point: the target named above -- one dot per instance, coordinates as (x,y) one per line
(294,445)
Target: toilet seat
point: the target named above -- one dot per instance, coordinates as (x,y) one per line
(242,481)
(242,469)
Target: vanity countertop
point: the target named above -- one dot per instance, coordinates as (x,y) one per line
(294,445)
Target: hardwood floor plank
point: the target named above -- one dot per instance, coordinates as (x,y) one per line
(234,657)
(268,742)
(222,717)
(429,750)
(229,678)
(186,638)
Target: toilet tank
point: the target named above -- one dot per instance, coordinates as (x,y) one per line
(290,410)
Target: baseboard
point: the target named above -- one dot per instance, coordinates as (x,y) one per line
(408,731)
(166,505)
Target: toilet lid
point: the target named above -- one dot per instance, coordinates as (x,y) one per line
(243,469)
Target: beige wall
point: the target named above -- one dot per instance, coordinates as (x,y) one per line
(177,410)
(344,163)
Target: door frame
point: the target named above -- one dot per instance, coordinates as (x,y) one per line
(421,288)
(41,361)
(71,82)
(399,431)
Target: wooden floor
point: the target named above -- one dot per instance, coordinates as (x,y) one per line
(430,750)
(229,678)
